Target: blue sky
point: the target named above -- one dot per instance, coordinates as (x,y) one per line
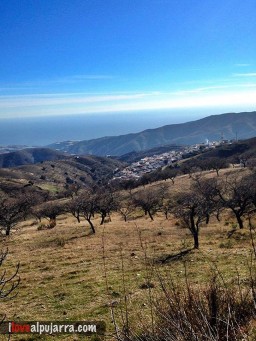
(67,57)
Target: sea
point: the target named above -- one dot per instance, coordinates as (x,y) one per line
(44,130)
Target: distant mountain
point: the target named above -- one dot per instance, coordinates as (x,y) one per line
(212,127)
(29,156)
(11,148)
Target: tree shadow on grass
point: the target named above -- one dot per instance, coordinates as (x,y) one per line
(84,235)
(174,257)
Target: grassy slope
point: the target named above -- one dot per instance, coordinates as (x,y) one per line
(60,282)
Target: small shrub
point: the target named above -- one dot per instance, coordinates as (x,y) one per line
(41,227)
(147,285)
(226,245)
(60,241)
(115,294)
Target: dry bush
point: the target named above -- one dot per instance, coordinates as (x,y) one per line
(181,313)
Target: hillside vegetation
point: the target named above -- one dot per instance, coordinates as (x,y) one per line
(84,171)
(241,150)
(131,262)
(29,156)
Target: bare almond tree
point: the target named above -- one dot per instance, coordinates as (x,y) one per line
(237,194)
(105,203)
(49,210)
(13,210)
(215,163)
(84,205)
(149,200)
(208,190)
(192,210)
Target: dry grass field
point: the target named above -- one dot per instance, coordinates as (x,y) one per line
(69,274)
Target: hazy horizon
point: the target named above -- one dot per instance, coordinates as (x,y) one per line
(41,131)
(93,57)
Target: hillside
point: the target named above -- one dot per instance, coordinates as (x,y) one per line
(211,127)
(65,262)
(54,175)
(29,156)
(136,156)
(245,149)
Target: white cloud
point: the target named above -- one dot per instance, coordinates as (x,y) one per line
(228,96)
(62,99)
(73,79)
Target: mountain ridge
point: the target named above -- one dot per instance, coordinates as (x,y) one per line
(211,127)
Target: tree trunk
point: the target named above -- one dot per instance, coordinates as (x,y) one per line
(239,220)
(91,225)
(207,218)
(103,216)
(194,230)
(8,230)
(52,223)
(151,217)
(196,240)
(218,216)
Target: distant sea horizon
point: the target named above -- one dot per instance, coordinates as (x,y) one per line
(44,130)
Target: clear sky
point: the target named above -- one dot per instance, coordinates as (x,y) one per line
(62,57)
